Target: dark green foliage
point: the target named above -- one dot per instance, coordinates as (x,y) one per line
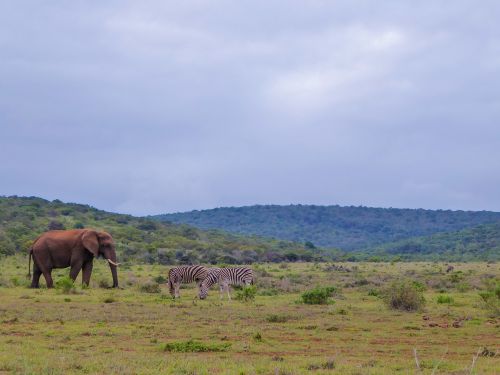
(318,296)
(471,244)
(247,293)
(23,219)
(160,279)
(404,295)
(65,285)
(194,346)
(347,228)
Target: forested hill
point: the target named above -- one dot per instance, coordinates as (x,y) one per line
(476,243)
(347,228)
(22,219)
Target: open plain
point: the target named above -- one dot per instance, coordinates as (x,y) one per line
(139,329)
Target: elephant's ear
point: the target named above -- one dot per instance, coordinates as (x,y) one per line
(90,242)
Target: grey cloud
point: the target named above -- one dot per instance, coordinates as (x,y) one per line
(150,107)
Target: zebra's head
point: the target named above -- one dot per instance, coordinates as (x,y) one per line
(203,291)
(211,279)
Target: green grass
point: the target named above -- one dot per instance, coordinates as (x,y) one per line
(445,299)
(127,331)
(194,346)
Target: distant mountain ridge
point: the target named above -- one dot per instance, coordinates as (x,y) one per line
(347,228)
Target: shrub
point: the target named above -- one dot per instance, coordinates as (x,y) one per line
(403,295)
(150,288)
(109,299)
(247,293)
(194,346)
(257,336)
(65,285)
(318,296)
(445,299)
(374,292)
(104,283)
(160,279)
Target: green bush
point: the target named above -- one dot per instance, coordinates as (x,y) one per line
(403,295)
(247,293)
(194,346)
(443,298)
(104,283)
(318,295)
(160,279)
(65,285)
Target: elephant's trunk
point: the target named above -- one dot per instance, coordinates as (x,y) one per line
(113,265)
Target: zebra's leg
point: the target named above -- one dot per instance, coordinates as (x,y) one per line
(228,293)
(221,291)
(177,287)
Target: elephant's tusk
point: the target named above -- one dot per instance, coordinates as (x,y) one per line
(113,263)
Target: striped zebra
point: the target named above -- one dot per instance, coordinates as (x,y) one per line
(226,277)
(185,274)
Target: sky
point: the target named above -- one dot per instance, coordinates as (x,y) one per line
(149,107)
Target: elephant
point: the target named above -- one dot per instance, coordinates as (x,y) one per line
(75,248)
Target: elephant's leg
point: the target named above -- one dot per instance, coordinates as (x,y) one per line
(48,278)
(76,266)
(86,272)
(35,282)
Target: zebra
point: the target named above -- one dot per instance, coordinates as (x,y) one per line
(185,274)
(226,277)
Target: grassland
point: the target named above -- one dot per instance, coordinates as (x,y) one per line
(130,331)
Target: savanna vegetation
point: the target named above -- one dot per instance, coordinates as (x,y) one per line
(321,318)
(363,232)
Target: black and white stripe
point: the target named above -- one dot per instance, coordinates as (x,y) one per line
(184,275)
(225,277)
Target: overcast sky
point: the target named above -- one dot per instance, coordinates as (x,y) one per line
(148,107)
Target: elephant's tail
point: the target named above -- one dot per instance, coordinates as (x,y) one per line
(29,262)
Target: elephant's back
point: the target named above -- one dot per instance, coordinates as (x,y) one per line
(56,238)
